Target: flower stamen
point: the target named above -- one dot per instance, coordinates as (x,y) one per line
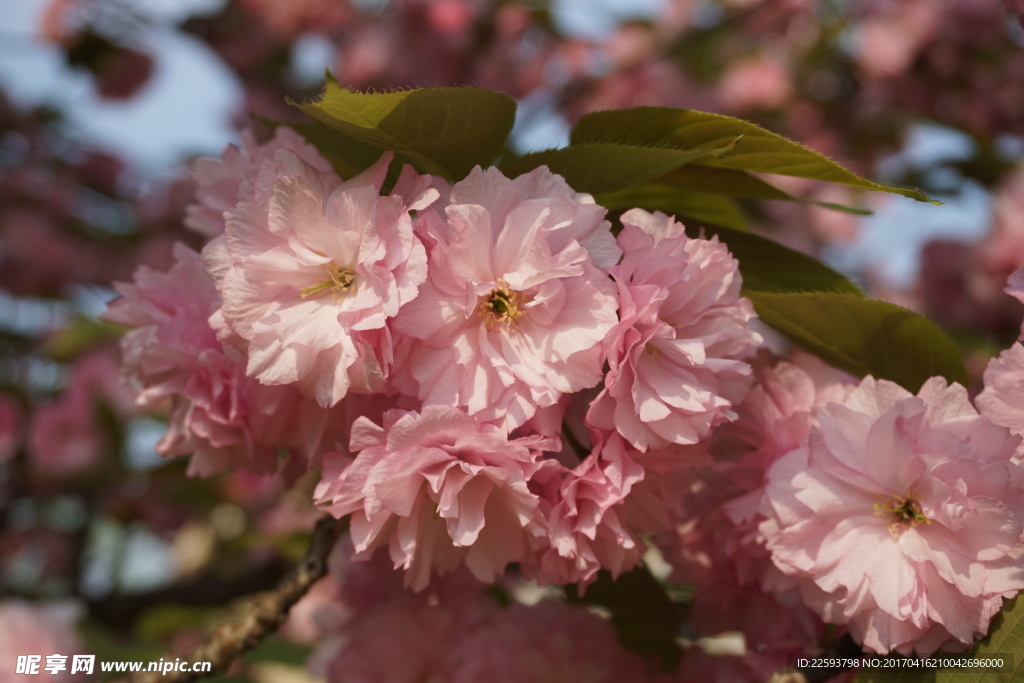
(901,512)
(339,282)
(501,306)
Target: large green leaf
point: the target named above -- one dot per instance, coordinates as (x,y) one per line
(739,185)
(863,336)
(703,207)
(606,167)
(758,150)
(1006,637)
(446,131)
(768,266)
(348,155)
(724,181)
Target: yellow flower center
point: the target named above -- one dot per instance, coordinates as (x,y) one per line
(339,282)
(901,512)
(501,306)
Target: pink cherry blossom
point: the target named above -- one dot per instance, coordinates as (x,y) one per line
(515,308)
(220,416)
(584,507)
(1002,399)
(439,488)
(674,357)
(898,517)
(64,437)
(549,642)
(222,183)
(311,270)
(1015,288)
(405,640)
(42,629)
(775,417)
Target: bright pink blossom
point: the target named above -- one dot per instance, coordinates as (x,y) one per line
(222,183)
(310,272)
(439,488)
(674,357)
(515,308)
(898,517)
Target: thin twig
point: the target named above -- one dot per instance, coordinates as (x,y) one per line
(266,611)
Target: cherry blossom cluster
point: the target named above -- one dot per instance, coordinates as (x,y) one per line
(486,374)
(430,347)
(897,516)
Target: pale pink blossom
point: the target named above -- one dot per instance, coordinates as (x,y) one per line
(515,308)
(378,632)
(898,517)
(222,183)
(550,642)
(1002,399)
(311,271)
(773,626)
(674,359)
(40,629)
(775,417)
(1015,288)
(440,489)
(218,415)
(404,641)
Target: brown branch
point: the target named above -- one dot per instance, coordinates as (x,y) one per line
(266,611)
(210,587)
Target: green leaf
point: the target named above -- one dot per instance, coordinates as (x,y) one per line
(758,150)
(740,185)
(1005,637)
(79,336)
(863,336)
(275,649)
(703,207)
(606,167)
(725,181)
(446,131)
(644,617)
(348,155)
(767,266)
